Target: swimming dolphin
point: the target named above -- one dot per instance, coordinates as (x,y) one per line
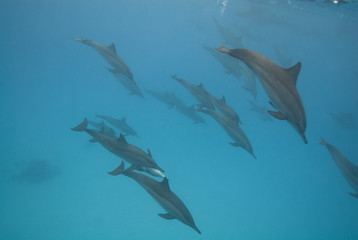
(231,128)
(229,38)
(120,124)
(161,193)
(138,158)
(222,106)
(198,91)
(175,103)
(279,84)
(110,54)
(347,168)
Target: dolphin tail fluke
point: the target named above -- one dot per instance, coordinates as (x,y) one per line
(354,195)
(223,49)
(81,127)
(119,170)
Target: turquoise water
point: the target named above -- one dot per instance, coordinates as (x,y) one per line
(49,83)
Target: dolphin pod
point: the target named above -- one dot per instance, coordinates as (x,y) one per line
(279,84)
(138,158)
(161,192)
(347,168)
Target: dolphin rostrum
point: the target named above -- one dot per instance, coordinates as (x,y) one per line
(120,124)
(279,84)
(161,193)
(119,146)
(198,91)
(232,129)
(347,168)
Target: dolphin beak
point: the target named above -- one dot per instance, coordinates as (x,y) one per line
(304,137)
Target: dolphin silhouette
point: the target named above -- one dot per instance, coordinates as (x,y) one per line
(161,192)
(347,168)
(279,84)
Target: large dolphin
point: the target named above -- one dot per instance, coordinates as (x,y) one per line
(120,124)
(347,168)
(139,159)
(225,108)
(110,54)
(175,103)
(160,191)
(198,91)
(232,129)
(279,84)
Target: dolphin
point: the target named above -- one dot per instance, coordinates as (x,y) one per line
(107,130)
(225,109)
(120,124)
(279,84)
(161,193)
(281,57)
(231,128)
(110,54)
(345,120)
(139,159)
(175,103)
(347,168)
(198,91)
(230,38)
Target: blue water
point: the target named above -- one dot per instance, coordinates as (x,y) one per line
(49,83)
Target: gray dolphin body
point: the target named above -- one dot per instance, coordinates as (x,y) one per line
(161,193)
(174,102)
(110,54)
(347,168)
(119,146)
(120,124)
(279,84)
(120,69)
(198,91)
(226,109)
(232,129)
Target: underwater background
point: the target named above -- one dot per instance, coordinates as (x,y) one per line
(54,182)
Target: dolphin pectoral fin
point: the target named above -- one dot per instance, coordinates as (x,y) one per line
(235,144)
(93,140)
(166,216)
(118,170)
(354,195)
(277,115)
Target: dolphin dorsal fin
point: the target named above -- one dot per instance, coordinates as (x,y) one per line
(122,138)
(294,71)
(165,183)
(201,86)
(223,99)
(149,153)
(112,47)
(102,130)
(124,120)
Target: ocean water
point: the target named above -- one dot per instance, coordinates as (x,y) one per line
(54,182)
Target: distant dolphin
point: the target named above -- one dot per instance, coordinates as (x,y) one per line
(225,109)
(345,120)
(279,84)
(232,129)
(175,103)
(120,124)
(229,38)
(347,168)
(110,54)
(138,158)
(260,110)
(282,58)
(161,193)
(198,91)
